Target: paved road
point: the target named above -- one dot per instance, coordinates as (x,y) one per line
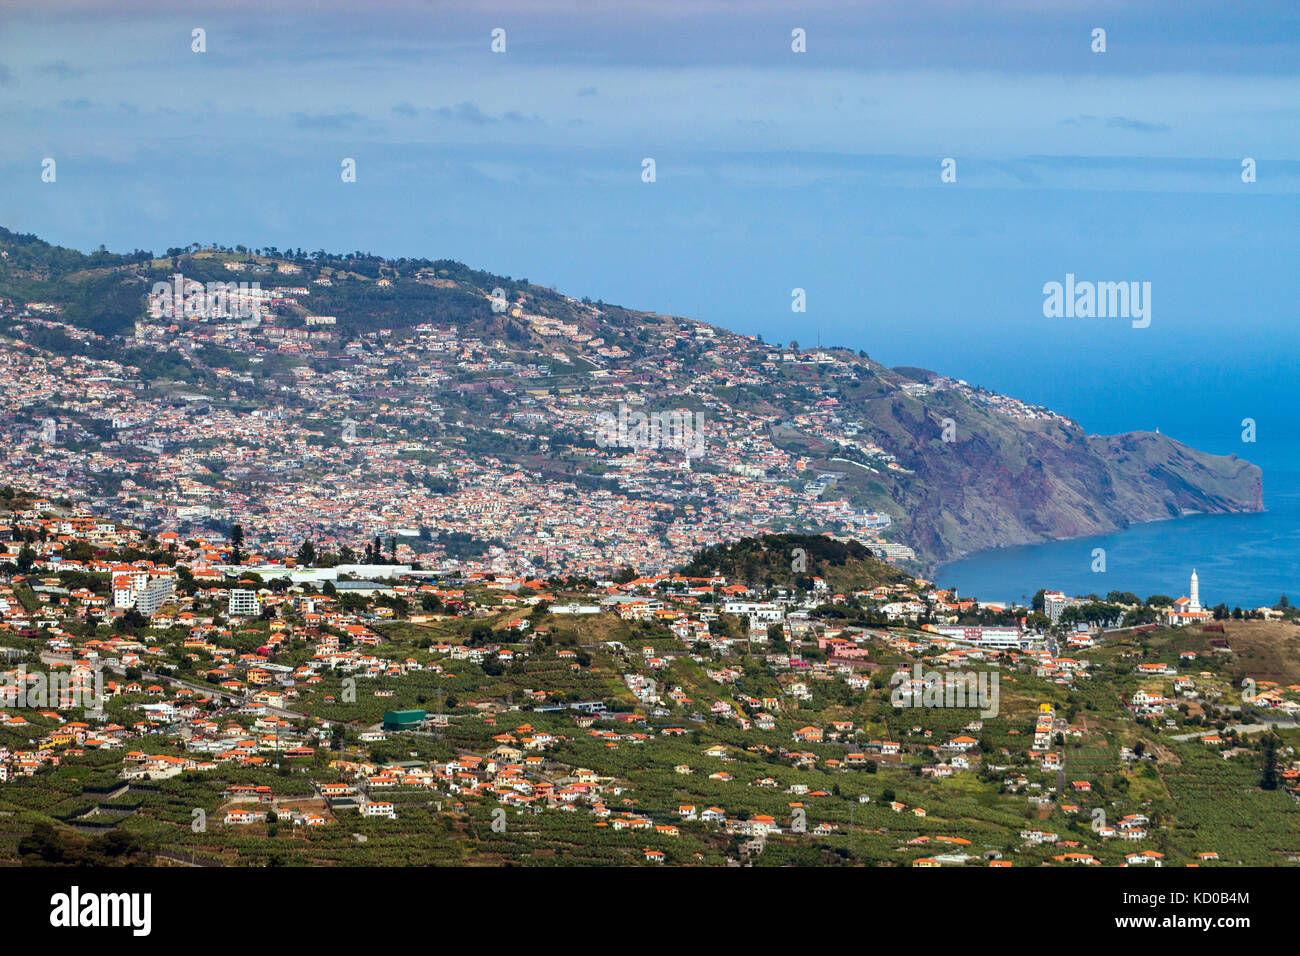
(1242,729)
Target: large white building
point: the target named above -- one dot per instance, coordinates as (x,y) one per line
(244,603)
(156,593)
(983,636)
(133,588)
(1055,602)
(770,613)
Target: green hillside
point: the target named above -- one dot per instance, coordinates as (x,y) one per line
(773,561)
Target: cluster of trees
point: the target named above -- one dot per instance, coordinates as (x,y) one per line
(790,560)
(1094,613)
(1126,598)
(376,552)
(1221,612)
(47,845)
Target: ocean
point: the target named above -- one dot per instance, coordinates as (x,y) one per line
(1245,560)
(1242,560)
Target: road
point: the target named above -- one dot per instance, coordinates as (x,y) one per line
(1241,729)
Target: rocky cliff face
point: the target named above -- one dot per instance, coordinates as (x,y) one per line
(1002,480)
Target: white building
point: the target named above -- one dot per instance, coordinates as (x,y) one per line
(1188,609)
(244,603)
(1054,602)
(156,593)
(754,610)
(983,636)
(142,591)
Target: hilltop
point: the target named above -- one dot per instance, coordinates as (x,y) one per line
(792,561)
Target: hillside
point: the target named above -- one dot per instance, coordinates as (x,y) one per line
(443,361)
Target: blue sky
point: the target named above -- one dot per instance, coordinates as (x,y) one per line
(775,170)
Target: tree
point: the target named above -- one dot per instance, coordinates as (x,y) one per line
(131,621)
(26,558)
(1268,746)
(307,553)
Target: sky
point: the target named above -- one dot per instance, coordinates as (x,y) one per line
(774,169)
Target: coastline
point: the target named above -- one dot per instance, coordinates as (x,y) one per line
(1244,558)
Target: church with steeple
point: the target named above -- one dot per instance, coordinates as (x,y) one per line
(1188,610)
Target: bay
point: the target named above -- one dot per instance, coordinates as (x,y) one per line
(1245,560)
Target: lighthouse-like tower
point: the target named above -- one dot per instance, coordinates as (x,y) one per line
(1194,599)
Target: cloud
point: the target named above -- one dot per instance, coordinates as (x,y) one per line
(325,120)
(1137,126)
(1117,122)
(60,68)
(465,112)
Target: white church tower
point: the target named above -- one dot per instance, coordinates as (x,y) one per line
(1194,599)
